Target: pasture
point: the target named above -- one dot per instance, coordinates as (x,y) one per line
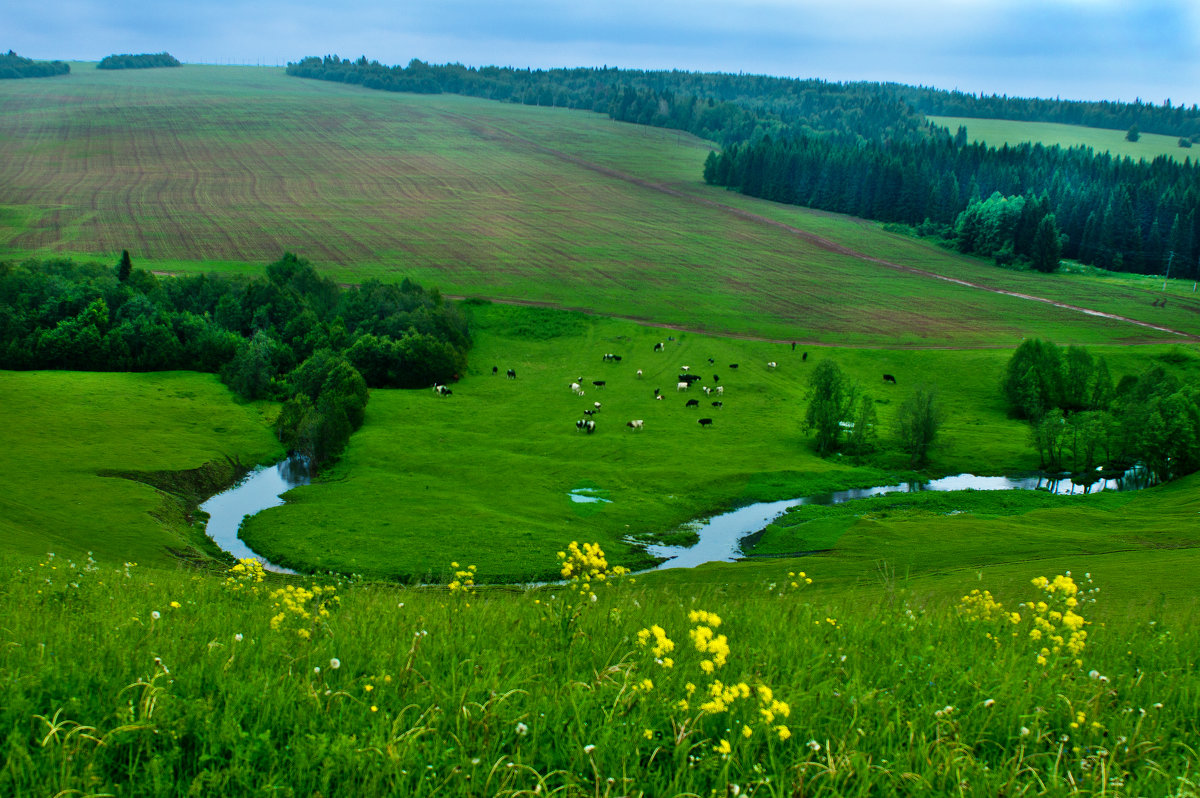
(201,168)
(485,473)
(998,132)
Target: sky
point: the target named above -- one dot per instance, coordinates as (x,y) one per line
(1074,49)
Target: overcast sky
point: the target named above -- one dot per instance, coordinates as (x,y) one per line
(1078,49)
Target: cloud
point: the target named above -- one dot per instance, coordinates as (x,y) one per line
(1072,48)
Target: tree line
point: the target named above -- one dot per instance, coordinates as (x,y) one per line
(1115,213)
(1080,420)
(13,66)
(291,335)
(139,61)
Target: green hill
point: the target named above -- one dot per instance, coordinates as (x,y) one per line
(226,167)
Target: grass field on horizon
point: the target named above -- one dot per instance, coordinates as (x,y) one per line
(225,167)
(998,132)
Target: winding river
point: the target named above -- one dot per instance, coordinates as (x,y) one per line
(720,536)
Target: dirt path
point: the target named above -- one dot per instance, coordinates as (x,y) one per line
(821,242)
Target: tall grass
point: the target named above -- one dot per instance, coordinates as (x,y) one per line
(133,681)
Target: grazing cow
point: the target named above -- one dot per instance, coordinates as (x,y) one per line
(512,374)
(684,368)
(589,412)
(576,388)
(442,390)
(609,357)
(706,389)
(617,358)
(585,425)
(639,374)
(658,392)
(772,364)
(720,390)
(495,370)
(591,426)
(804,357)
(733,365)
(711,361)
(659,397)
(683,386)
(889,378)
(718,404)
(658,347)
(692,403)
(635,424)
(597,405)
(705,422)
(690,378)
(716,378)
(598,383)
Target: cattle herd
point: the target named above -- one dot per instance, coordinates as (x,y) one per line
(685,381)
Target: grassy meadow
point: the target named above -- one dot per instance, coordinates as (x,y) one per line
(68,436)
(998,132)
(206,167)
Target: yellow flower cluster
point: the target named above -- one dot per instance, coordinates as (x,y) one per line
(464,579)
(736,700)
(663,645)
(980,606)
(246,572)
(1055,623)
(706,642)
(587,564)
(302,610)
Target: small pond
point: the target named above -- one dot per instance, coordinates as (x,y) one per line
(721,535)
(261,488)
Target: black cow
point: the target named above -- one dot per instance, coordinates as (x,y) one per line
(658,347)
(598,383)
(716,378)
(733,365)
(705,422)
(512,374)
(889,378)
(495,370)
(692,403)
(804,357)
(657,391)
(718,404)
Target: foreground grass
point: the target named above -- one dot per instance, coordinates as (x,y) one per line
(160,683)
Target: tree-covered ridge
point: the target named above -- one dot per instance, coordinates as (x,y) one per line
(722,107)
(139,61)
(1115,213)
(292,335)
(14,66)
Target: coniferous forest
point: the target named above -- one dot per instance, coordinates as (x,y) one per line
(866,149)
